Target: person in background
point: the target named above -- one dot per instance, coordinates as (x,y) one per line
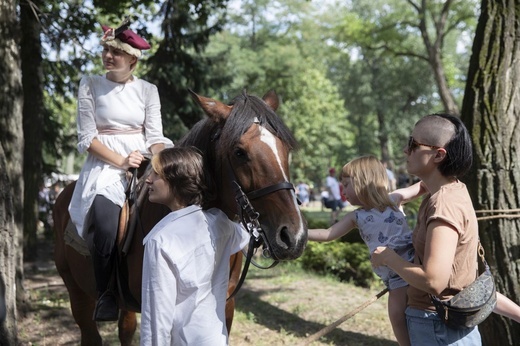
(44,207)
(392,181)
(303,192)
(324,196)
(439,152)
(380,222)
(186,257)
(118,120)
(54,193)
(403,179)
(334,195)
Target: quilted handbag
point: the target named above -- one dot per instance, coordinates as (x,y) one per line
(473,304)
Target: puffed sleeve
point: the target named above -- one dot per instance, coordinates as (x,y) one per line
(159,294)
(86,122)
(153,128)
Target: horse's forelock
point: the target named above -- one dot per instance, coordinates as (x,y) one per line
(246,110)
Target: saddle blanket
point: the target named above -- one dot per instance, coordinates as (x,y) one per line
(73,239)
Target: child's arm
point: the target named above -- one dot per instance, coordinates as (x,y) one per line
(506,307)
(335,231)
(406,194)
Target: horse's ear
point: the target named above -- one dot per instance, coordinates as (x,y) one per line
(213,108)
(271,99)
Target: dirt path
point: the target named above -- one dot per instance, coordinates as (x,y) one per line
(280,306)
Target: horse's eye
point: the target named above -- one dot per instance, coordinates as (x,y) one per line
(240,153)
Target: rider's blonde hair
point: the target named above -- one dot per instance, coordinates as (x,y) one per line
(370,182)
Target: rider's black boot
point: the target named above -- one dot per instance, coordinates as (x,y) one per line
(106,306)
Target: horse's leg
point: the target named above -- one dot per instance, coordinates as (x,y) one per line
(230,313)
(82,306)
(235,266)
(127,325)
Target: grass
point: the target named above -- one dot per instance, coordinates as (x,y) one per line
(286,304)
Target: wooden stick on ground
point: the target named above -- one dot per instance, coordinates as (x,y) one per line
(331,327)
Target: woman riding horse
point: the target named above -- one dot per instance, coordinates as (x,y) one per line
(118,119)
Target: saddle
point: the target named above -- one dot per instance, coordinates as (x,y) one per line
(128,223)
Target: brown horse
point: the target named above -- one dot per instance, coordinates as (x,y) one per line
(244,144)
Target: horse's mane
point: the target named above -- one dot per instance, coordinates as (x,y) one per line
(201,135)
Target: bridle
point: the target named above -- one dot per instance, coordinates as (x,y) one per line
(249,219)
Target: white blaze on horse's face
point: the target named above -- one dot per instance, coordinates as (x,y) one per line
(270,140)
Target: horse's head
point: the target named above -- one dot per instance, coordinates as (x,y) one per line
(248,143)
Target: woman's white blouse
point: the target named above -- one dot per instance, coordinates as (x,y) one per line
(185,278)
(124,117)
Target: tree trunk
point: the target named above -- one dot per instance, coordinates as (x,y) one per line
(445,93)
(491,111)
(433,43)
(32,80)
(11,147)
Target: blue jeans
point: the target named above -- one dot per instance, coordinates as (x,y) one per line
(426,328)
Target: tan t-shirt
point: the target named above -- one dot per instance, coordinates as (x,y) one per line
(451,204)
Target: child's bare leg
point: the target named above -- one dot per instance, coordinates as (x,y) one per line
(396,306)
(507,308)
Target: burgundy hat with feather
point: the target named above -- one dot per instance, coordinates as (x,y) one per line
(124,39)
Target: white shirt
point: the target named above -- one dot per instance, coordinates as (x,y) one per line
(185,278)
(333,185)
(124,117)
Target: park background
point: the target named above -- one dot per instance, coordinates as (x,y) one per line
(353,76)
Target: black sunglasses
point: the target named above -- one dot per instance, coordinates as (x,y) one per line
(413,144)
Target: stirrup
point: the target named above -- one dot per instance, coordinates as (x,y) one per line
(106,308)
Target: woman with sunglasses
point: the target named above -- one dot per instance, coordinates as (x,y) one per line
(439,152)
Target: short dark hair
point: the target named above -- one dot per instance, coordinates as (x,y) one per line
(459,149)
(182,169)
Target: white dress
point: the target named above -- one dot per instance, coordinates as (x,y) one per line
(124,117)
(185,278)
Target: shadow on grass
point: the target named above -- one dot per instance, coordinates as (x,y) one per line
(45,317)
(276,319)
